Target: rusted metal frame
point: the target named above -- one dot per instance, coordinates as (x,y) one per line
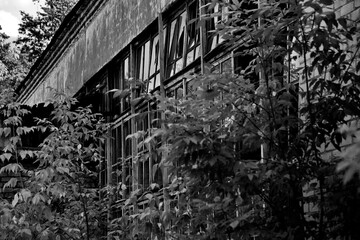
(133,86)
(142,61)
(163,95)
(153,75)
(196,31)
(186,42)
(162,63)
(149,40)
(149,147)
(202,36)
(173,45)
(123,166)
(108,140)
(264,146)
(151,52)
(108,152)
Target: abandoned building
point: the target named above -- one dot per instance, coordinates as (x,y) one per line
(103,44)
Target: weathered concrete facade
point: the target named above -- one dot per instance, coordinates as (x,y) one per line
(101,37)
(112,38)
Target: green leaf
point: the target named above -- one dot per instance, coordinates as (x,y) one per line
(343,165)
(19,131)
(7,131)
(149,196)
(38,228)
(25,231)
(343,22)
(11,183)
(251,165)
(234,224)
(222,136)
(62,170)
(314,5)
(11,168)
(23,154)
(135,101)
(44,235)
(121,93)
(349,174)
(26,194)
(7,156)
(37,198)
(326,2)
(155,167)
(15,200)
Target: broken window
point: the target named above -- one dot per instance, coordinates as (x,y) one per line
(148,63)
(142,125)
(119,80)
(244,65)
(127,162)
(183,39)
(95,94)
(214,15)
(116,154)
(193,33)
(175,49)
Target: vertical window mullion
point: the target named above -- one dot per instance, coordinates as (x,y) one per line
(185,46)
(150,63)
(132,120)
(202,35)
(172,57)
(146,60)
(123,155)
(148,147)
(143,62)
(121,85)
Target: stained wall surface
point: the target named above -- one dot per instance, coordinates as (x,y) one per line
(113,27)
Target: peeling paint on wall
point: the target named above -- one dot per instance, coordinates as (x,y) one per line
(111,30)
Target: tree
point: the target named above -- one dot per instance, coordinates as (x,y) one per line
(37,31)
(11,69)
(4,50)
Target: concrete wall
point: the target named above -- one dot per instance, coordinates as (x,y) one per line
(112,29)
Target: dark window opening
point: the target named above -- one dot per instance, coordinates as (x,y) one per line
(193,32)
(148,63)
(119,79)
(244,65)
(175,45)
(213,15)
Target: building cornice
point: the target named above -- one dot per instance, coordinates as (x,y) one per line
(74,22)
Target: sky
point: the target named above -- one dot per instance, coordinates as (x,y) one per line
(10,14)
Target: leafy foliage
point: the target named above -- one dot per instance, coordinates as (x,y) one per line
(288,102)
(58,199)
(11,69)
(37,31)
(218,188)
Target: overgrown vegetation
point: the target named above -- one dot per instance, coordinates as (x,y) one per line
(305,87)
(294,99)
(58,199)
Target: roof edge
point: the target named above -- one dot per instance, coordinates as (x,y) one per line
(73,23)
